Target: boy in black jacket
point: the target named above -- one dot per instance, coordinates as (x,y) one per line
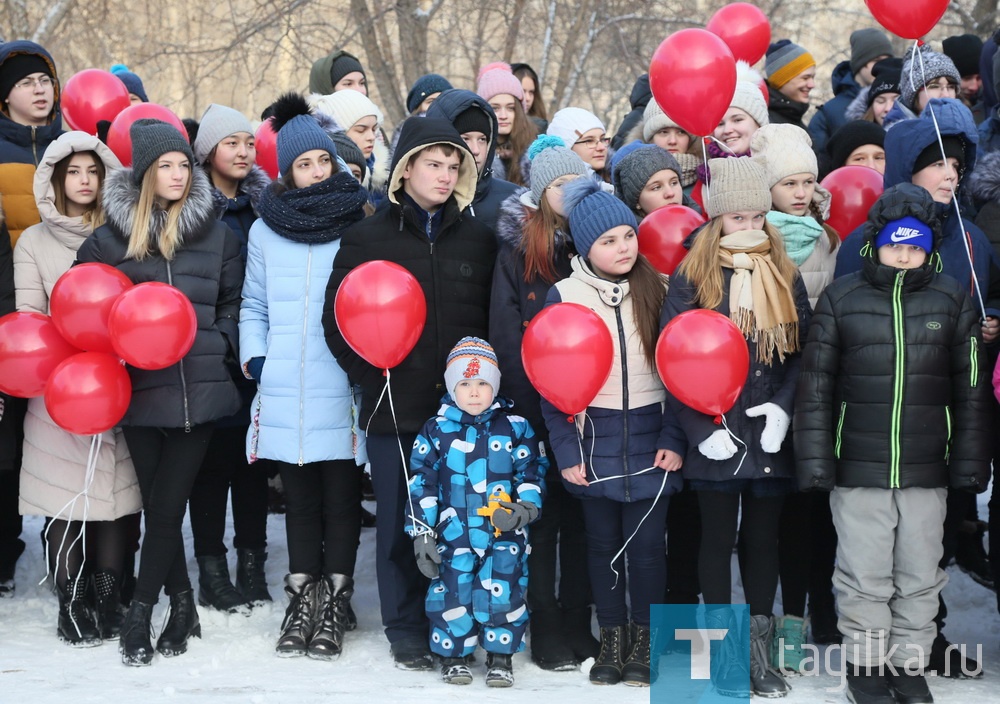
(423,229)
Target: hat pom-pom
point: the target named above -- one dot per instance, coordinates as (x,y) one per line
(577,190)
(118,68)
(287,107)
(496,65)
(744,72)
(543,142)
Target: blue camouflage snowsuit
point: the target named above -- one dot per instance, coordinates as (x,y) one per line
(458,461)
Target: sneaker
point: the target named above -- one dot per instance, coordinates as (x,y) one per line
(455,671)
(909,688)
(499,670)
(412,654)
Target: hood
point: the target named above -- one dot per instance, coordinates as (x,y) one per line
(897,202)
(907,138)
(22,46)
(249,191)
(858,105)
(842,78)
(319,74)
(45,195)
(121,195)
(450,104)
(641,93)
(424,132)
(984,182)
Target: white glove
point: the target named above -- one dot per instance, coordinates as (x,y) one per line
(718,446)
(776,423)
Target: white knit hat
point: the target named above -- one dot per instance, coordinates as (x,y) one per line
(737,184)
(654,120)
(747,96)
(783,150)
(569,124)
(345,106)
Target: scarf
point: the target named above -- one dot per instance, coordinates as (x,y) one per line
(714,151)
(761,302)
(799,233)
(315,214)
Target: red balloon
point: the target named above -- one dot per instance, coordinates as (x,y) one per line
(744,28)
(81,302)
(381,311)
(30,348)
(152,325)
(855,190)
(567,353)
(662,234)
(88,393)
(693,78)
(119,139)
(703,360)
(912,19)
(267,148)
(91,96)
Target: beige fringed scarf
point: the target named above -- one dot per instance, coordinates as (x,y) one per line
(761,302)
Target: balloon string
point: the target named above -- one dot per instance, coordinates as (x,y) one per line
(746,449)
(706,187)
(402,456)
(954,196)
(618,554)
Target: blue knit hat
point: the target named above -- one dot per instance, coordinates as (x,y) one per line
(132,82)
(298,131)
(428,84)
(592,212)
(907,230)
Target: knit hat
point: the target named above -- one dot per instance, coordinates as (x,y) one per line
(349,151)
(343,65)
(472,358)
(151,139)
(569,124)
(632,172)
(346,107)
(964,51)
(473,119)
(907,230)
(953,147)
(298,131)
(217,123)
(737,184)
(886,74)
(497,79)
(654,120)
(849,137)
(132,82)
(783,150)
(935,65)
(747,96)
(592,212)
(428,84)
(551,159)
(784,61)
(868,44)
(19,66)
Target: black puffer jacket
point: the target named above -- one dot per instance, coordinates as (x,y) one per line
(892,392)
(208,269)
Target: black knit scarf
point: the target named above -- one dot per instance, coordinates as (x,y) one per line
(315,214)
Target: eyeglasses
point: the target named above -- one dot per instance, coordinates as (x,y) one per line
(943,86)
(28,83)
(593,142)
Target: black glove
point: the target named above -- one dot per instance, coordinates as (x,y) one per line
(520,514)
(425,548)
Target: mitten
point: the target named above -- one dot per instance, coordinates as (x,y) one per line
(425,549)
(718,446)
(254,368)
(776,423)
(521,514)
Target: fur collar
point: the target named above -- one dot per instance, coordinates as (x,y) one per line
(121,195)
(857,108)
(252,186)
(511,218)
(984,182)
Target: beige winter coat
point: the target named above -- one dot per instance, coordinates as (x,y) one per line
(53,470)
(817,269)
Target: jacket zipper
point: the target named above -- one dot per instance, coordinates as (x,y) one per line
(947,444)
(897,391)
(840,428)
(974,363)
(624,356)
(34,145)
(184,388)
(302,360)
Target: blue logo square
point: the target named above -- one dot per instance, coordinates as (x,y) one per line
(701,654)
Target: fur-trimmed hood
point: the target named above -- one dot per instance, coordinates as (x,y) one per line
(984,182)
(512,217)
(121,195)
(251,187)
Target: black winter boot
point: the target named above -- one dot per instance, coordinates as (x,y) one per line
(183,623)
(866,685)
(300,616)
(214,588)
(134,644)
(765,681)
(327,640)
(549,644)
(607,667)
(636,671)
(909,688)
(729,673)
(251,581)
(108,606)
(580,633)
(76,622)
(499,670)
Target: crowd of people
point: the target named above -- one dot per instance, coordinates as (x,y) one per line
(846,471)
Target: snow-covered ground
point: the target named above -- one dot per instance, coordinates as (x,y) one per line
(235,661)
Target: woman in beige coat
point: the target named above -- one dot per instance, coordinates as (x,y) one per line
(67,189)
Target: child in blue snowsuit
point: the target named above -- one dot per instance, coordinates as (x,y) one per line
(477,481)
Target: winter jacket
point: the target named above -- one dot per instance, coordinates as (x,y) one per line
(208,269)
(490,191)
(21,148)
(892,392)
(831,115)
(773,383)
(989,133)
(639,98)
(628,421)
(903,144)
(240,213)
(455,272)
(514,302)
(54,463)
(782,110)
(984,185)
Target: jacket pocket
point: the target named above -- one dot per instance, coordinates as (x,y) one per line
(840,428)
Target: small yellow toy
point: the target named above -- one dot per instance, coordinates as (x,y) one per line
(493,504)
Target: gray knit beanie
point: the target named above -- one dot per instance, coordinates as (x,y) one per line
(868,44)
(935,65)
(783,150)
(635,169)
(737,184)
(151,139)
(654,120)
(217,123)
(550,159)
(349,151)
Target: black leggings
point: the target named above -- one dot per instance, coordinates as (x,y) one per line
(106,541)
(323,517)
(609,524)
(759,533)
(166,463)
(225,467)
